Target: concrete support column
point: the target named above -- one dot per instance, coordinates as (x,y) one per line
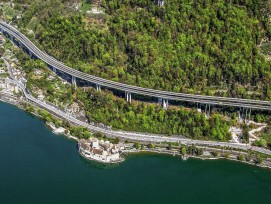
(165,103)
(1,30)
(160,101)
(20,45)
(54,69)
(240,113)
(128,96)
(206,106)
(98,87)
(12,38)
(30,53)
(246,116)
(74,80)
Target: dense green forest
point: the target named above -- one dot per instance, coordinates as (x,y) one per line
(142,117)
(113,111)
(195,46)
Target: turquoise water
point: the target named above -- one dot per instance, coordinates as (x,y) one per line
(39,167)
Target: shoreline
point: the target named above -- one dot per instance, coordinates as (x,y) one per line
(195,157)
(101,161)
(16,102)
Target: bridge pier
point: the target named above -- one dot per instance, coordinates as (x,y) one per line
(160,101)
(20,44)
(98,87)
(248,113)
(207,109)
(240,113)
(128,96)
(30,53)
(165,103)
(54,69)
(245,114)
(74,80)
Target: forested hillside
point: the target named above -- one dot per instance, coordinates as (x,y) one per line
(207,47)
(200,46)
(203,46)
(104,107)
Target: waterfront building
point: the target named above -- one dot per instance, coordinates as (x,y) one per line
(99,150)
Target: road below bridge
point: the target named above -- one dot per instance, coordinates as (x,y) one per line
(132,136)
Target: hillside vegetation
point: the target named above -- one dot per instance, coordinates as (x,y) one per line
(200,46)
(208,47)
(104,107)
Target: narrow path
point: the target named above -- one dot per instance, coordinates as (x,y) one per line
(252,136)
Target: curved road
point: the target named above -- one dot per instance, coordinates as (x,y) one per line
(212,100)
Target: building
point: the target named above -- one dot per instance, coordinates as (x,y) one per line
(99,150)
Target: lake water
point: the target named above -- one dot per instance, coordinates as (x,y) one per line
(39,167)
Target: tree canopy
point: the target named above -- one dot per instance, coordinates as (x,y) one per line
(190,46)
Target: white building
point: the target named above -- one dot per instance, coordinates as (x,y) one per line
(100,151)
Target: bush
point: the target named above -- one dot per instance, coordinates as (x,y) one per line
(116,140)
(241,157)
(261,143)
(258,159)
(214,154)
(183,150)
(137,145)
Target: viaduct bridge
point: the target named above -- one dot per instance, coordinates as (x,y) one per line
(164,96)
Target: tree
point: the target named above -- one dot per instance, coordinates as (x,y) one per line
(30,109)
(262,143)
(199,151)
(116,140)
(258,159)
(137,145)
(183,150)
(169,146)
(151,145)
(245,134)
(241,157)
(215,154)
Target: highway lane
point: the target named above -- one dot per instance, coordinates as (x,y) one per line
(222,101)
